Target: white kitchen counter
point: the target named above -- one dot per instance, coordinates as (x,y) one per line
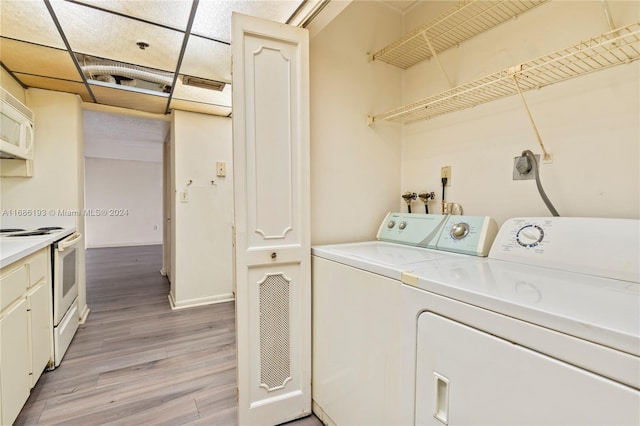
(13,249)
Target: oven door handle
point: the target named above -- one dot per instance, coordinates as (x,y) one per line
(70,241)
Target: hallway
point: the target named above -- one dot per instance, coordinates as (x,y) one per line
(135,361)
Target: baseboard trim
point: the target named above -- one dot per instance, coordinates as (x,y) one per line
(91,246)
(321,415)
(191,303)
(84,314)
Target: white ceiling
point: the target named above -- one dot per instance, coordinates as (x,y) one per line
(401,5)
(124,137)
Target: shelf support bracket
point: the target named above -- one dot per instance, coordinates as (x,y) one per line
(435,58)
(513,71)
(607,14)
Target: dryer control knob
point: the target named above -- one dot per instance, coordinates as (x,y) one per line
(402,225)
(391,224)
(530,235)
(459,230)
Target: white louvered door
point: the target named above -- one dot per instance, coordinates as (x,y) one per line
(271,175)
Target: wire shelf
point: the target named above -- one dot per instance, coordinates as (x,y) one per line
(467,19)
(617,47)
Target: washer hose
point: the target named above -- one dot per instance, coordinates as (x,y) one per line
(546,200)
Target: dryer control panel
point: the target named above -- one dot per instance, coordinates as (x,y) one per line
(604,247)
(460,234)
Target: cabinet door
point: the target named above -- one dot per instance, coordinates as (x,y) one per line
(271,196)
(40,336)
(466,376)
(14,361)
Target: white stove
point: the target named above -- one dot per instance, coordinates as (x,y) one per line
(18,242)
(356,307)
(545,330)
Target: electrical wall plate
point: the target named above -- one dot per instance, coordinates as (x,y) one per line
(524,176)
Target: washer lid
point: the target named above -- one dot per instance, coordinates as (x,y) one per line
(380,257)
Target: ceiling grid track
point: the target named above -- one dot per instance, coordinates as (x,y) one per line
(192,16)
(68,46)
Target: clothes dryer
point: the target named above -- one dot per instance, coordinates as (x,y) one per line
(546,330)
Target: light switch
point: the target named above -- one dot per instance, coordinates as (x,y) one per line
(221,169)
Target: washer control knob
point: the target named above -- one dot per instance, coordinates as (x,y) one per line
(391,224)
(459,230)
(402,225)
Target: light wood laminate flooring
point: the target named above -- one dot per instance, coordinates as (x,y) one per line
(137,362)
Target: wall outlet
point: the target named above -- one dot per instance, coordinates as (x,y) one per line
(184,196)
(221,169)
(445,172)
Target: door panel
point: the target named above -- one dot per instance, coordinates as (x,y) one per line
(466,376)
(271,197)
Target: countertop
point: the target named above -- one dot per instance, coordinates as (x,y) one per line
(13,249)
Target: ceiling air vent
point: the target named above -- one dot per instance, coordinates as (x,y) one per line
(203,83)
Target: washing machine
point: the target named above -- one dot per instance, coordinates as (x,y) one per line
(356,310)
(545,330)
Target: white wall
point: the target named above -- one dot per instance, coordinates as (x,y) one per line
(201,249)
(591,125)
(131,192)
(355,169)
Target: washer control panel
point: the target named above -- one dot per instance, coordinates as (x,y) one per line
(411,228)
(468,234)
(461,234)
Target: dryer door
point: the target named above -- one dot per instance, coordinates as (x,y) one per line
(466,376)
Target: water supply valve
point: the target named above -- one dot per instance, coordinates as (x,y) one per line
(408,197)
(425,197)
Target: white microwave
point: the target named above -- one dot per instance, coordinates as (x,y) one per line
(16,128)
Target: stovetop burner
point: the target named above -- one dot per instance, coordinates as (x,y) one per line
(7,230)
(30,233)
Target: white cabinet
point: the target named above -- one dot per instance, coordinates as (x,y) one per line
(25,330)
(39,305)
(272,218)
(467,376)
(14,360)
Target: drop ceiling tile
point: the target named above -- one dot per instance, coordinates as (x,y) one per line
(183,105)
(29,21)
(207,59)
(196,94)
(171,13)
(55,84)
(26,58)
(110,36)
(130,100)
(213,18)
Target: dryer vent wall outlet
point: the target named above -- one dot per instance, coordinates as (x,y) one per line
(523,168)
